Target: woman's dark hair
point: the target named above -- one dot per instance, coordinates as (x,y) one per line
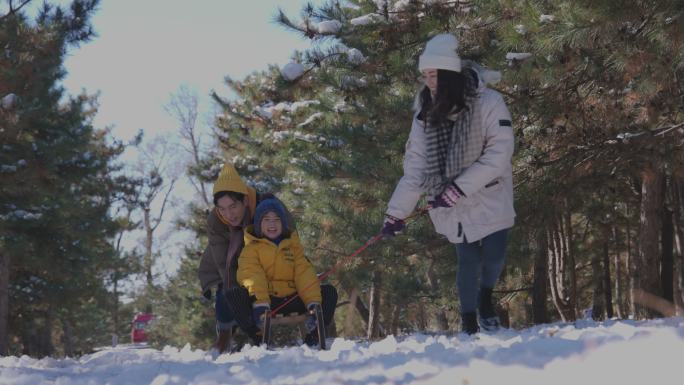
(236,196)
(453,89)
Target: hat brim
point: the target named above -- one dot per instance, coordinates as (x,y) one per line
(439,62)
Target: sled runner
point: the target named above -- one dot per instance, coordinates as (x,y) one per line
(293,319)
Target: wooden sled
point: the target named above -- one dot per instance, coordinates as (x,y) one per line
(294,319)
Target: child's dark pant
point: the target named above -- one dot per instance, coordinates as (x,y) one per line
(240,302)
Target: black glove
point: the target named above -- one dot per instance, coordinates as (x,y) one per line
(311,323)
(206,297)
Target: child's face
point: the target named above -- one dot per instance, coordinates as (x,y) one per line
(271,226)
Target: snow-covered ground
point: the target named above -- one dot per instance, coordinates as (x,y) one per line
(612,352)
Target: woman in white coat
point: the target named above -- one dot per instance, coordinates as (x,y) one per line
(459,154)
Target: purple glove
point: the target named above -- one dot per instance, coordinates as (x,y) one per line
(258,314)
(310,322)
(448,197)
(392,226)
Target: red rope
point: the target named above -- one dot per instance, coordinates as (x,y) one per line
(358,251)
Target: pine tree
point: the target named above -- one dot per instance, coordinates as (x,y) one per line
(55,226)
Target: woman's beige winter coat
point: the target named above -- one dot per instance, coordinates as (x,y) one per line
(487,183)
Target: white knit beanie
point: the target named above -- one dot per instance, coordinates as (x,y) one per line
(441,53)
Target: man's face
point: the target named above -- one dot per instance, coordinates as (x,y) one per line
(231,210)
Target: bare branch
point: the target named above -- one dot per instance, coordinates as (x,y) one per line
(13,10)
(665,130)
(184,108)
(509,291)
(157,221)
(121,233)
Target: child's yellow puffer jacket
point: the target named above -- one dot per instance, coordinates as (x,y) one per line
(266,269)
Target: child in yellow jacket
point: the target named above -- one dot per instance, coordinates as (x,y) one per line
(271,268)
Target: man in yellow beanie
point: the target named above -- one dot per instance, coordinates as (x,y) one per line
(235,204)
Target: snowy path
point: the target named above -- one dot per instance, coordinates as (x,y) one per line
(618,352)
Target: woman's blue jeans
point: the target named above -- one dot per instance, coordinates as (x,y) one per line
(479,265)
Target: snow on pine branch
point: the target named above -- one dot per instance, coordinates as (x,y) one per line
(351,6)
(267,110)
(354,55)
(9,101)
(350,82)
(546,18)
(277,137)
(365,19)
(518,56)
(21,215)
(291,71)
(302,104)
(329,27)
(311,119)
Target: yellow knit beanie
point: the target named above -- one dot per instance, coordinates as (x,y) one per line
(229,180)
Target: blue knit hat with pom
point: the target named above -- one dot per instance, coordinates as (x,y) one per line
(269,205)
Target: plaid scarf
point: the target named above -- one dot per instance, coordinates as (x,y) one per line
(452,147)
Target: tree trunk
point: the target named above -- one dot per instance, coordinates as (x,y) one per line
(554,269)
(540,287)
(561,265)
(45,346)
(360,307)
(396,313)
(598,306)
(619,288)
(631,271)
(374,315)
(115,318)
(607,288)
(68,338)
(149,238)
(678,224)
(4,303)
(349,319)
(421,317)
(331,329)
(570,252)
(29,336)
(667,261)
(650,222)
(442,319)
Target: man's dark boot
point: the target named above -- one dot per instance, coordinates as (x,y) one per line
(256,336)
(488,319)
(223,340)
(469,323)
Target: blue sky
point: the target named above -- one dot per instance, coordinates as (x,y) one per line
(146,49)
